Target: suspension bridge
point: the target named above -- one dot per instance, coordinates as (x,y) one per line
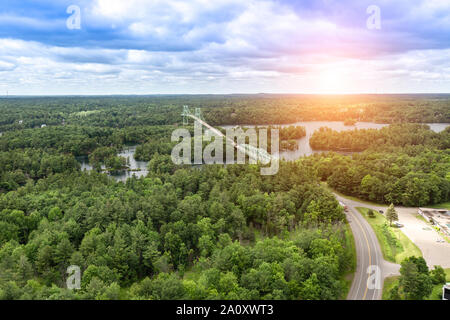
(254,153)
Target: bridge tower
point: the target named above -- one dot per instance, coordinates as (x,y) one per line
(185,115)
(198,114)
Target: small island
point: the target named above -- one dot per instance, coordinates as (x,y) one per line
(349,122)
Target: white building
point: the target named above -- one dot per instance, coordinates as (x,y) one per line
(438,217)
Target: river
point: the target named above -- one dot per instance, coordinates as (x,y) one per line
(139,168)
(304,149)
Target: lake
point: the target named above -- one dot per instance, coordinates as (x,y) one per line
(304,149)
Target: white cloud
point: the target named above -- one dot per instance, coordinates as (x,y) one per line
(229,46)
(6,66)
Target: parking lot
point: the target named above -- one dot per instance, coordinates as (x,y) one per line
(425,237)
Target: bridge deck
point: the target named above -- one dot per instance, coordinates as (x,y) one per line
(260,154)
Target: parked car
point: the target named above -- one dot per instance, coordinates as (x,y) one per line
(398,225)
(380,211)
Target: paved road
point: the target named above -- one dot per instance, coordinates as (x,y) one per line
(371,268)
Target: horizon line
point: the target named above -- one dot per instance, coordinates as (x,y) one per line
(217,94)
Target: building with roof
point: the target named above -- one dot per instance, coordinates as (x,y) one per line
(438,217)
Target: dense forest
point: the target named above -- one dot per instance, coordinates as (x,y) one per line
(404,164)
(398,135)
(213,233)
(209,232)
(125,111)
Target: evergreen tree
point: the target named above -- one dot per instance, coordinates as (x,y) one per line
(391,214)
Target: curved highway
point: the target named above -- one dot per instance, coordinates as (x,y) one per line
(371,268)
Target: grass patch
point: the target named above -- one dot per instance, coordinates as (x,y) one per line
(351,248)
(395,245)
(418,216)
(436,294)
(390,282)
(445,205)
(85,113)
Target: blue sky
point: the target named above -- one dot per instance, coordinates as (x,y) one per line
(224,46)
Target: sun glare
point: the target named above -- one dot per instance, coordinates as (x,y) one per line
(332,81)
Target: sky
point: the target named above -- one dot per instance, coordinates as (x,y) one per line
(84,47)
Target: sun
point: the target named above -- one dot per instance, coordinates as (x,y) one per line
(333,80)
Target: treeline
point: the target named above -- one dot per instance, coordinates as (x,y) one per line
(177,234)
(290,132)
(104,111)
(20,166)
(416,281)
(398,135)
(289,136)
(405,164)
(107,157)
(80,140)
(409,176)
(129,111)
(283,109)
(147,150)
